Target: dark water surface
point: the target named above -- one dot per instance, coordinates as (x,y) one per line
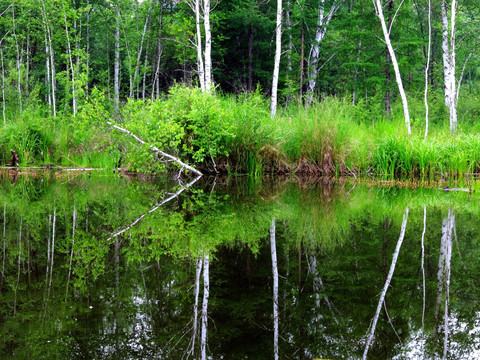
(363,271)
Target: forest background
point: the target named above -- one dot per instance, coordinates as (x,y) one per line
(377,87)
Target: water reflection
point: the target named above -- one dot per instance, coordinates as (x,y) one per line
(278,270)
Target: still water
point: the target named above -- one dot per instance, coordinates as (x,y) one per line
(97,266)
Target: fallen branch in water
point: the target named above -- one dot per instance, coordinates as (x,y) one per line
(138,219)
(154,148)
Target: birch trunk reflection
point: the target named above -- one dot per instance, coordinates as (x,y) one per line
(273,249)
(206,295)
(195,307)
(443,275)
(387,283)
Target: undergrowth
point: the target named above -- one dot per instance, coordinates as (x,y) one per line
(235,134)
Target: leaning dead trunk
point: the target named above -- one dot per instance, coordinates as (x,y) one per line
(398,78)
(387,283)
(276,65)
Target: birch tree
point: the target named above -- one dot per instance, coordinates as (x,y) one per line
(322,23)
(201,8)
(116,66)
(386,34)
(449,61)
(276,65)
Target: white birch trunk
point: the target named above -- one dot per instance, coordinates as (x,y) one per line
(52,249)
(448,55)
(50,58)
(398,78)
(72,68)
(273,251)
(200,66)
(4,238)
(423,265)
(74,220)
(18,62)
(314,57)
(206,295)
(198,271)
(47,67)
(3,87)
(139,53)
(427,67)
(208,45)
(276,65)
(116,66)
(387,283)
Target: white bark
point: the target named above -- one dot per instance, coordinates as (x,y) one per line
(51,58)
(276,65)
(198,271)
(206,295)
(155,149)
(273,251)
(74,220)
(387,283)
(448,55)
(423,265)
(72,68)
(427,67)
(398,78)
(139,52)
(200,66)
(208,45)
(116,66)
(18,62)
(4,238)
(3,87)
(139,218)
(322,23)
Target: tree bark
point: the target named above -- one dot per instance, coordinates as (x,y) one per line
(320,32)
(208,45)
(276,65)
(387,283)
(116,69)
(206,295)
(72,68)
(200,65)
(386,34)
(273,251)
(427,67)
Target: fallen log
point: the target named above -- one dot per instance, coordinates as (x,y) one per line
(155,149)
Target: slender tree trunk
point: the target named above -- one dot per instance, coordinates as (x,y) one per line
(87,50)
(116,66)
(139,53)
(302,60)
(273,250)
(386,34)
(427,67)
(387,283)
(388,76)
(276,66)
(156,79)
(4,103)
(4,239)
(423,266)
(74,220)
(48,82)
(200,66)
(198,271)
(448,54)
(53,248)
(206,295)
(320,32)
(19,263)
(208,45)
(51,56)
(18,62)
(72,68)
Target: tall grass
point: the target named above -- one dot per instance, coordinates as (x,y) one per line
(235,134)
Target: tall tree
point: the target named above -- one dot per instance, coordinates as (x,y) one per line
(276,65)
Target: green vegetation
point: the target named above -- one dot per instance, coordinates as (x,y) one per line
(235,134)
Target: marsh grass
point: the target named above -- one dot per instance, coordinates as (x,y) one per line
(236,135)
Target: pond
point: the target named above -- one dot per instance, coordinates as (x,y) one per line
(102,266)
